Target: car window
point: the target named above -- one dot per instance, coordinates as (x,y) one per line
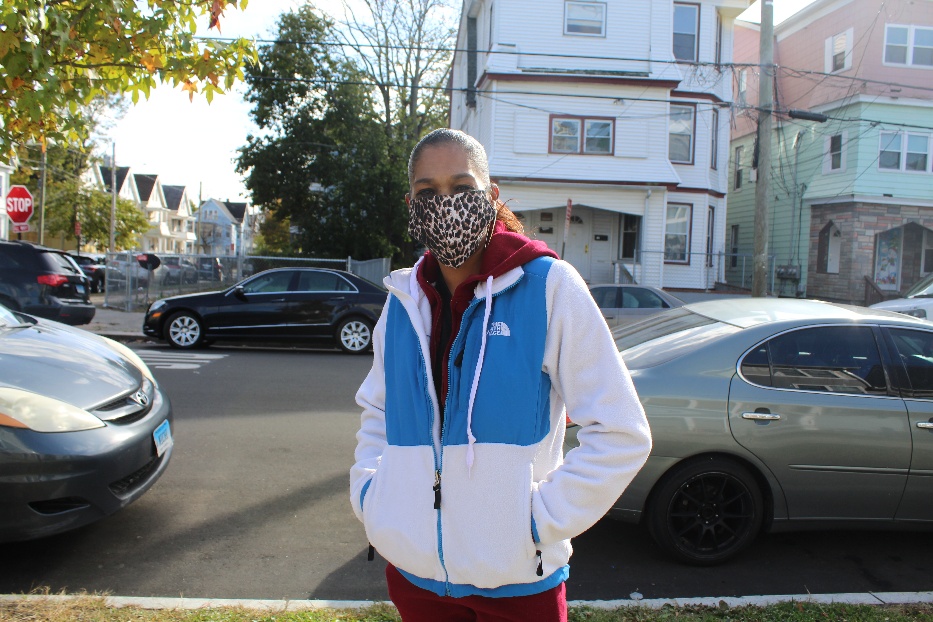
(313,281)
(272,282)
(915,349)
(667,335)
(61,263)
(638,298)
(831,359)
(605,297)
(11,259)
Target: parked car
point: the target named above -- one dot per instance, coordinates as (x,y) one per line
(177,270)
(94,268)
(623,304)
(210,269)
(85,429)
(293,304)
(44,282)
(918,301)
(778,414)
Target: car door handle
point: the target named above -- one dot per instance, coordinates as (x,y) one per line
(756,416)
(926,425)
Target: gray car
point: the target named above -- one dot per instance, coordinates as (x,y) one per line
(623,304)
(84,427)
(776,414)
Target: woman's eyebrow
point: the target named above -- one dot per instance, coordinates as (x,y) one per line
(458,176)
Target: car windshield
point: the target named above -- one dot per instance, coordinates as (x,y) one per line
(666,336)
(923,289)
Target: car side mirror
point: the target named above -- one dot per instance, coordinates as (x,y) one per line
(239,292)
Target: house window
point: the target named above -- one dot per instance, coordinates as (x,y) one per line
(585,18)
(491,35)
(734,246)
(834,153)
(839,52)
(904,151)
(718,59)
(710,232)
(908,45)
(743,85)
(737,182)
(629,239)
(677,233)
(686,29)
(714,141)
(582,135)
(680,144)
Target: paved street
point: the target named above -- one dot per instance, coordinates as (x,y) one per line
(254,505)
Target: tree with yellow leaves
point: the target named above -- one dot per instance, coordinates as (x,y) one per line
(57,55)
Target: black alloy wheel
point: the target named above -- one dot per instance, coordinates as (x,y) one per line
(706,511)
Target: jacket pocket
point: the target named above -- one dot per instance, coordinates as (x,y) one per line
(399,514)
(487,536)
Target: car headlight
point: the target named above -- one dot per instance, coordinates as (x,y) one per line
(155,309)
(23,409)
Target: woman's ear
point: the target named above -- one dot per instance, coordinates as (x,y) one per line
(408,199)
(493,192)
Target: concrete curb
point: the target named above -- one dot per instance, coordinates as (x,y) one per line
(144,602)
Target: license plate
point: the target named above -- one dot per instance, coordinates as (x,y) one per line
(163,438)
(79,288)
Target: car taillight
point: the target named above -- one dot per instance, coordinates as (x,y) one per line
(52,280)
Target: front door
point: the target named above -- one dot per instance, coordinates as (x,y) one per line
(579,238)
(813,404)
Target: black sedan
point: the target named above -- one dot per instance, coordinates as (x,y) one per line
(84,427)
(283,304)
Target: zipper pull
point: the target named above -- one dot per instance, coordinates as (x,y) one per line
(437,490)
(372,553)
(540,570)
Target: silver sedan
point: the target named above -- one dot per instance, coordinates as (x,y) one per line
(623,304)
(776,414)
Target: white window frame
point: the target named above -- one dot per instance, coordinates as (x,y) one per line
(569,4)
(910,46)
(583,125)
(828,154)
(742,80)
(696,32)
(737,174)
(829,53)
(692,134)
(710,234)
(904,151)
(685,234)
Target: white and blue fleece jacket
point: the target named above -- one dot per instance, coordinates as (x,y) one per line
(487,504)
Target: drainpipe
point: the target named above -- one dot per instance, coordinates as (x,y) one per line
(644,221)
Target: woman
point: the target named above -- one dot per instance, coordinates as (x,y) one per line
(482,348)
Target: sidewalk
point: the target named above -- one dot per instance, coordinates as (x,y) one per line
(116,324)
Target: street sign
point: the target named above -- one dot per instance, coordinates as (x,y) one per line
(19,206)
(20,228)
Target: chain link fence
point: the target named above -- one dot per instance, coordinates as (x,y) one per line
(693,270)
(131,287)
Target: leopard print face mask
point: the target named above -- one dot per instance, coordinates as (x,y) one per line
(453,226)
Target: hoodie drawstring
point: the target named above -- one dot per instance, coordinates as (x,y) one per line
(479,369)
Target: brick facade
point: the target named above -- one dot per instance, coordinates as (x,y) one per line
(858,224)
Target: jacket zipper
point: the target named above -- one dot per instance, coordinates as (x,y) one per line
(439,460)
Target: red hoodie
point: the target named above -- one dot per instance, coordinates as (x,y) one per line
(506,250)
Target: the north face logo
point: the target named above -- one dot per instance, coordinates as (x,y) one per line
(499,328)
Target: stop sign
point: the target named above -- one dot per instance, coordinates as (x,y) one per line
(19,204)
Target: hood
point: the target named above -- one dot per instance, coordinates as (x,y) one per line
(65,363)
(906,304)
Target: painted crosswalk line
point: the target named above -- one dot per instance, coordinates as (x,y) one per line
(161,359)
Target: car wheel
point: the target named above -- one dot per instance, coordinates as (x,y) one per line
(184,330)
(705,511)
(355,335)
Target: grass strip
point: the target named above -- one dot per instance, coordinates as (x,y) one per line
(94,608)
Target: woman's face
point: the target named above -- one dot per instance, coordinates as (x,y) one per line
(444,169)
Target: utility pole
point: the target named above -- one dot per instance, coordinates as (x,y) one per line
(113,198)
(42,195)
(762,183)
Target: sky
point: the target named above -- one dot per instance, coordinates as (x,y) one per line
(195,144)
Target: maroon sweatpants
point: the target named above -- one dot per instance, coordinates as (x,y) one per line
(418,605)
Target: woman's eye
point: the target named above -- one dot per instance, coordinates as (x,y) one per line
(460,189)
(425,192)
